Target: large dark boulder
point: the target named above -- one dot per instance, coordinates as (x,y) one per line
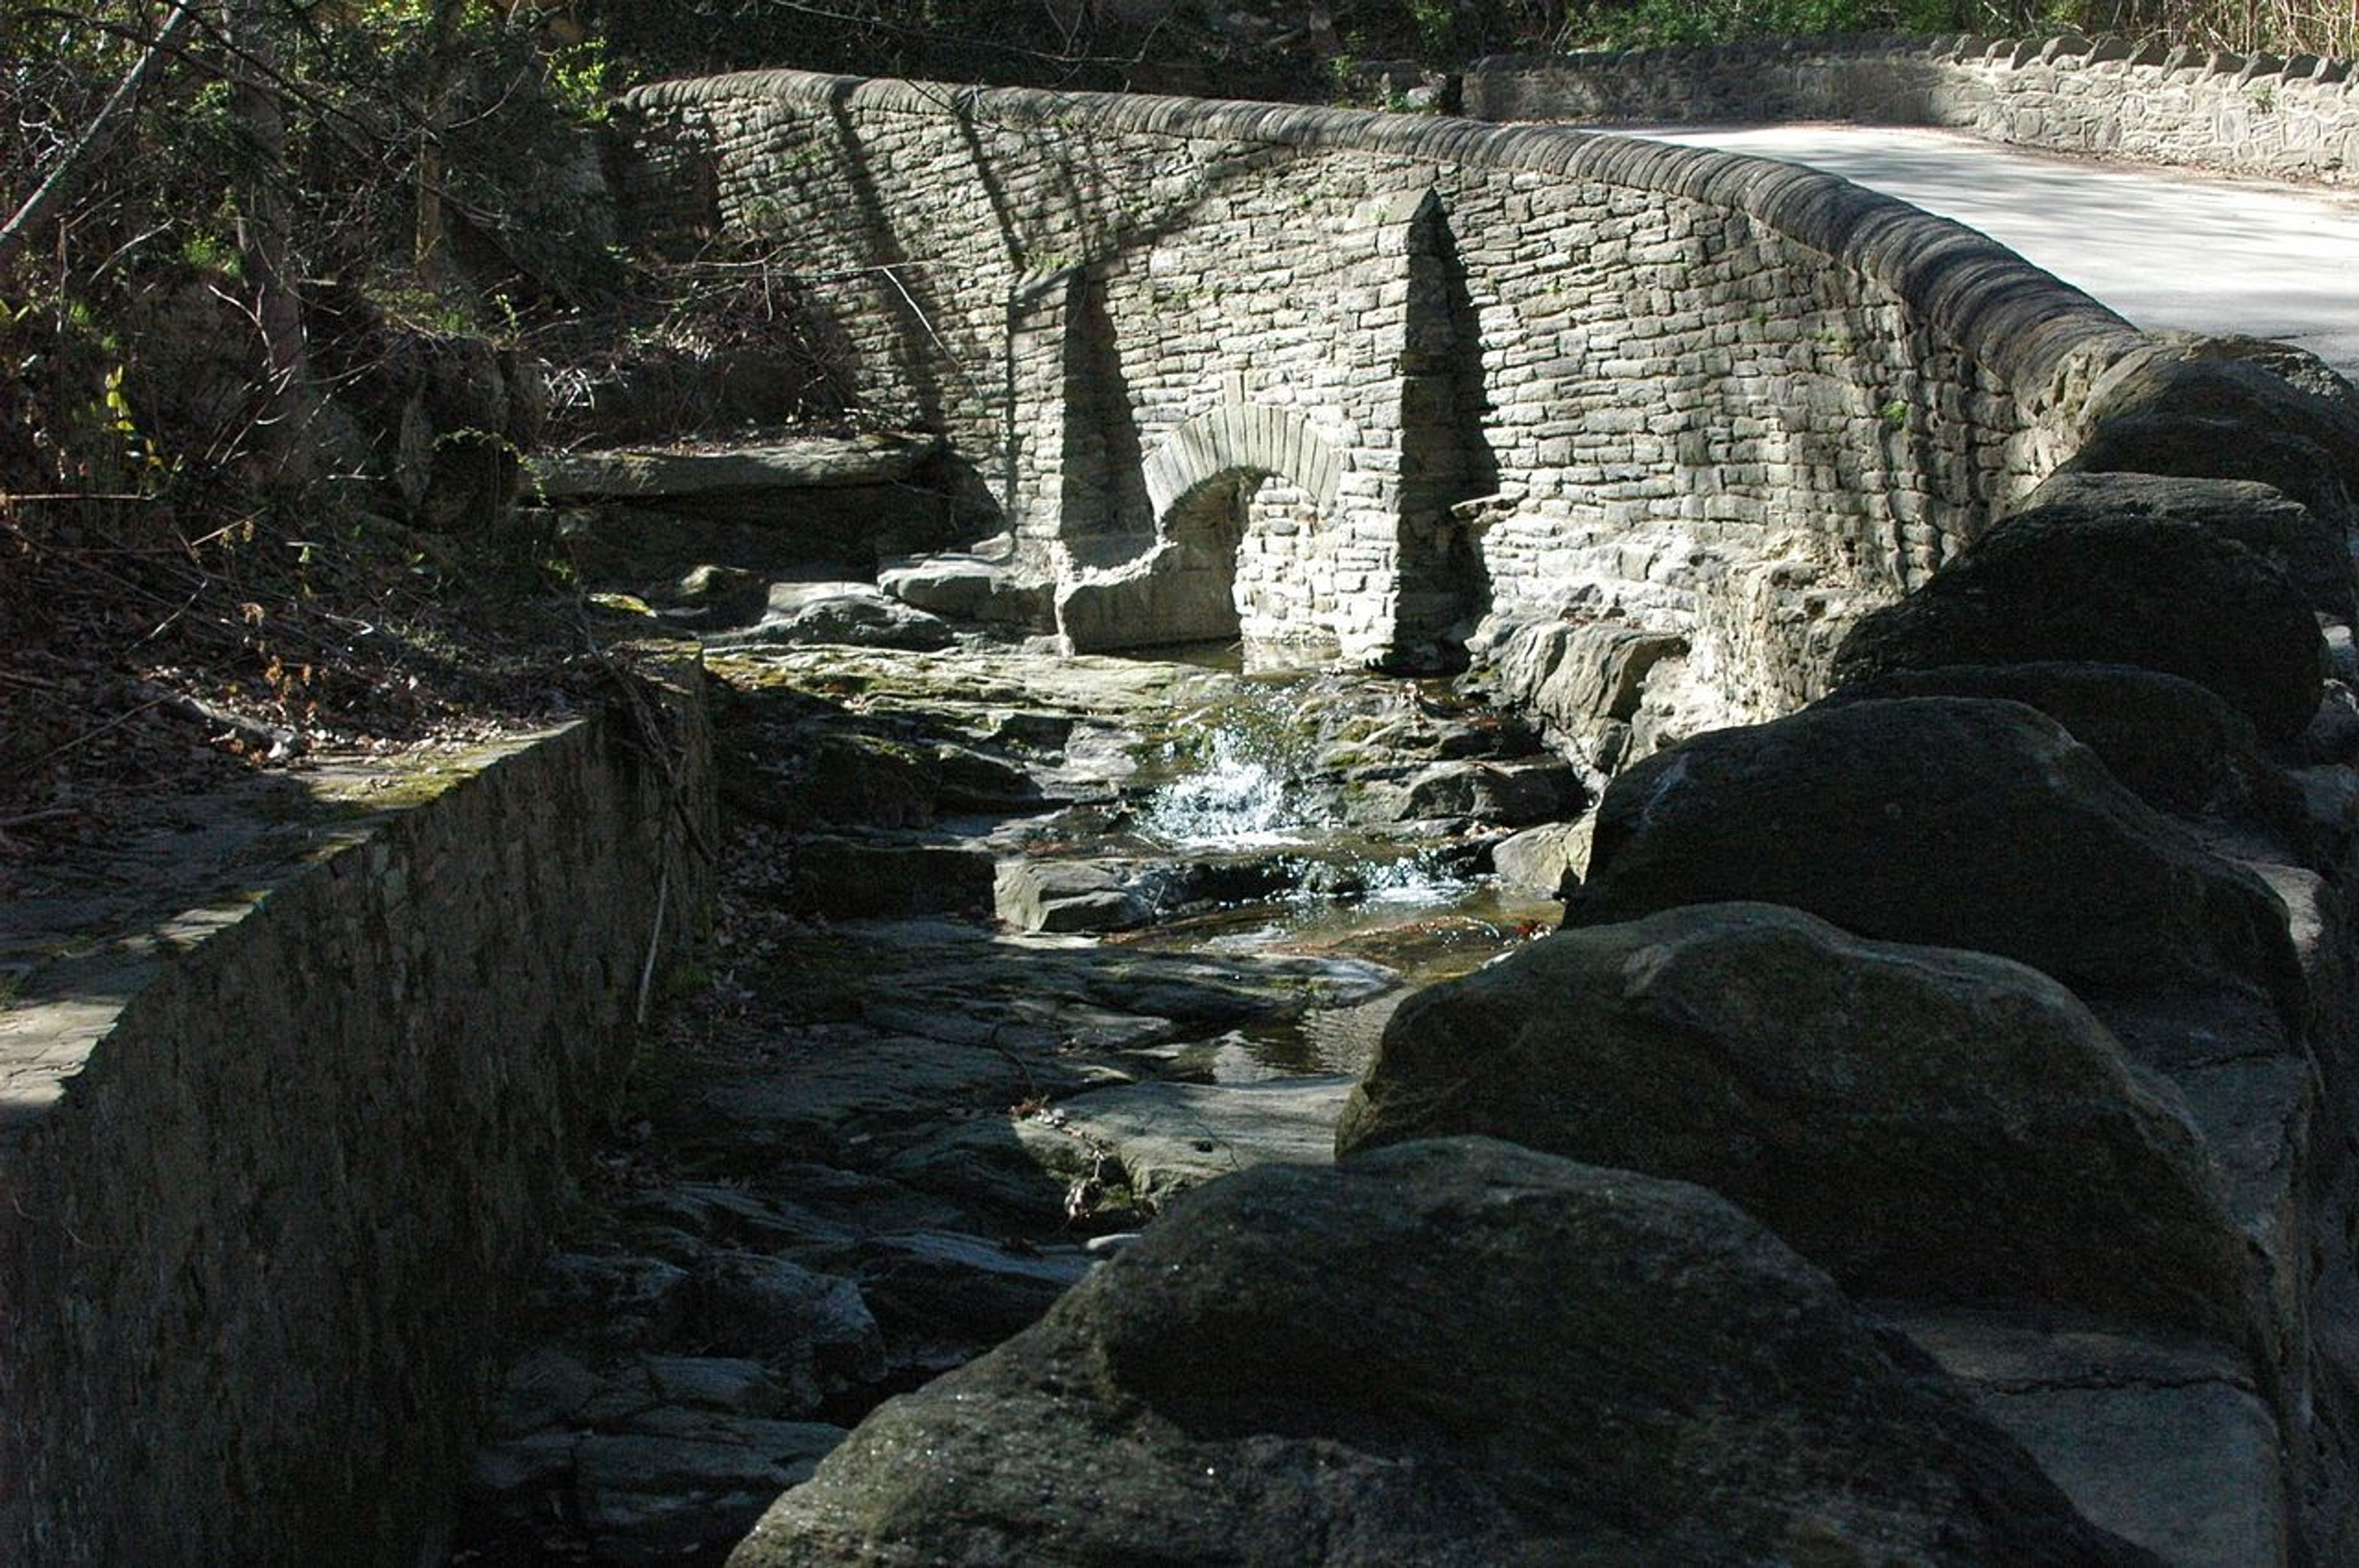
(2268,388)
(2311,549)
(2178,746)
(1950,822)
(2191,446)
(2159,593)
(1923,1123)
(1446,1353)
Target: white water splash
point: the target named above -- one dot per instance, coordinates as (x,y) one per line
(1235,798)
(1413,881)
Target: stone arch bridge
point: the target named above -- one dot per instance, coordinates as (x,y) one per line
(1356,384)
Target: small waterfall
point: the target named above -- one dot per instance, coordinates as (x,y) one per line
(1245,779)
(1235,798)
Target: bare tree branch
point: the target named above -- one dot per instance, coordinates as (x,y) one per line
(78,159)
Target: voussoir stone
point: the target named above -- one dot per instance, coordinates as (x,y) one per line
(1456,1352)
(1947,821)
(1924,1123)
(2156,593)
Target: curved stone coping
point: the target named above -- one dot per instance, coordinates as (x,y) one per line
(2011,316)
(1243,436)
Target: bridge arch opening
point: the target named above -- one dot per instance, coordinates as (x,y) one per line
(1240,499)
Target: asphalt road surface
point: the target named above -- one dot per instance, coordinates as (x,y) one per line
(2167,248)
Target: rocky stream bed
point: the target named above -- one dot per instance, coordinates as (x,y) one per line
(1013,949)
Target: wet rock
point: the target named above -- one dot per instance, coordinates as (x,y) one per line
(1539,859)
(1169,1136)
(1304,1366)
(1069,895)
(1509,795)
(2310,547)
(2158,593)
(850,612)
(812,1329)
(2177,746)
(1109,1158)
(1923,1124)
(832,1100)
(1950,822)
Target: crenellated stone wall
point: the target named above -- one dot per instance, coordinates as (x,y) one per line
(1559,372)
(2148,102)
(271,1166)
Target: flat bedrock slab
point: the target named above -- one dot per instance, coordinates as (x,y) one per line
(1300,1365)
(1112,1158)
(1923,1124)
(1070,895)
(807,462)
(1170,1137)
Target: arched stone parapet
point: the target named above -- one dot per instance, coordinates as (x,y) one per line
(1247,438)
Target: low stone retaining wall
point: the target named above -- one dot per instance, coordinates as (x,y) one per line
(2107,97)
(270,1165)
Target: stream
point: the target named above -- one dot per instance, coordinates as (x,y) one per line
(1012,949)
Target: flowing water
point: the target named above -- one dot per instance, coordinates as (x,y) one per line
(1249,774)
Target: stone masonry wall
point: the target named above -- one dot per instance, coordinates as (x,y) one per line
(1701,392)
(272,1165)
(2108,97)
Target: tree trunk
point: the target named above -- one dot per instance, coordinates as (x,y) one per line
(442,75)
(283,434)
